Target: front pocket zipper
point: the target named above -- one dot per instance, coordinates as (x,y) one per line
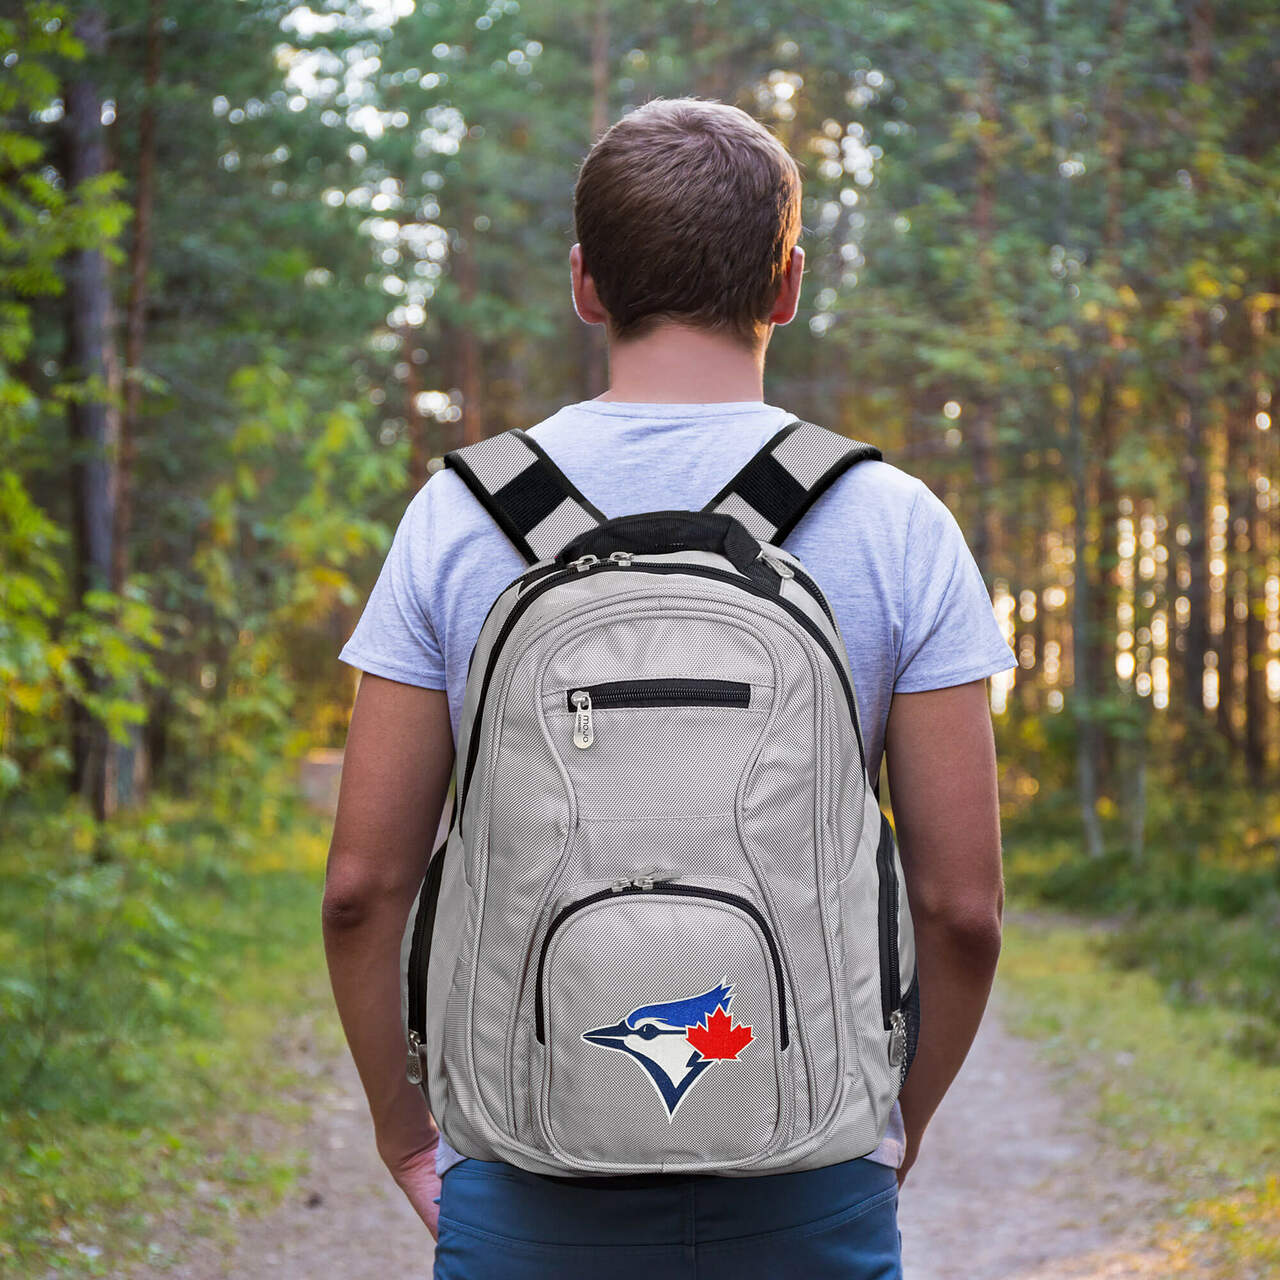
(662,693)
(626,888)
(640,694)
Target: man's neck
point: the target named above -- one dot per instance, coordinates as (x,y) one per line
(678,364)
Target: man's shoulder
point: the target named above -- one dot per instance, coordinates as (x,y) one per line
(876,489)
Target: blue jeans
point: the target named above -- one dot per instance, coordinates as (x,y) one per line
(500,1223)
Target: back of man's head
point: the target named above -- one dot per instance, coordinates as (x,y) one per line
(687,210)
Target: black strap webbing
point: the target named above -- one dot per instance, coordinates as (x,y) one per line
(531,499)
(788,475)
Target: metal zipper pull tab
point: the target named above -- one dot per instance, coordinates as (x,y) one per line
(413,1067)
(778,565)
(897,1038)
(643,883)
(584,733)
(584,562)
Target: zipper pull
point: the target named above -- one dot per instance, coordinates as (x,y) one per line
(584,562)
(620,886)
(621,558)
(413,1067)
(779,566)
(584,733)
(897,1038)
(643,883)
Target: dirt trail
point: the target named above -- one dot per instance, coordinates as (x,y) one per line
(1014,1184)
(344,1219)
(1016,1181)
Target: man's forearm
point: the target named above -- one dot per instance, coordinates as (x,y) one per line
(956,965)
(364,968)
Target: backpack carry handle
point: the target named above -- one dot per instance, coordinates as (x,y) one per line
(664,532)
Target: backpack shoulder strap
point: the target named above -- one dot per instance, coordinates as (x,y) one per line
(528,496)
(786,477)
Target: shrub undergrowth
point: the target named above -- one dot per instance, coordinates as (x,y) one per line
(146,984)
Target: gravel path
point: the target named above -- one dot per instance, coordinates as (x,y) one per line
(343,1220)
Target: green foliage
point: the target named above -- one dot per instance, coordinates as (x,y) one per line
(97,970)
(97,655)
(1198,908)
(1199,957)
(274,562)
(141,1004)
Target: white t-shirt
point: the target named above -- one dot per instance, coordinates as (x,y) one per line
(887,554)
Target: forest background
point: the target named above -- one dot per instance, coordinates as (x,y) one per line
(261,264)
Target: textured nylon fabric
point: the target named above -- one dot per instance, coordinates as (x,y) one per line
(732,801)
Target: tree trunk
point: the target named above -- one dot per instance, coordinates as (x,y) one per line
(595,355)
(1104,569)
(92,422)
(415,420)
(1236,555)
(1084,687)
(136,304)
(1196,636)
(133,772)
(1256,704)
(981,435)
(469,352)
(1083,704)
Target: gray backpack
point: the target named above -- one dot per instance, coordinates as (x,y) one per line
(668,931)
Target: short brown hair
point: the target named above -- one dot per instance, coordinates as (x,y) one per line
(687,210)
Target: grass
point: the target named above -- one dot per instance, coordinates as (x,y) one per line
(1199,1116)
(145,1003)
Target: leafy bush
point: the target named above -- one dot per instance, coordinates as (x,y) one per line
(95,969)
(146,1006)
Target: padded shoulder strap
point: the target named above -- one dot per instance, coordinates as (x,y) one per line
(774,490)
(525,492)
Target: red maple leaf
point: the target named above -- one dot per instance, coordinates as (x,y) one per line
(720,1038)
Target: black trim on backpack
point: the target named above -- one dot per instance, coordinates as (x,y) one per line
(769,498)
(523,501)
(667,532)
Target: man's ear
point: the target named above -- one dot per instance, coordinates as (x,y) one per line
(784,309)
(586,302)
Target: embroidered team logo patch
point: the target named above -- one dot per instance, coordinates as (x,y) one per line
(677,1041)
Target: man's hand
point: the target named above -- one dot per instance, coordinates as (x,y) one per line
(942,773)
(416,1176)
(394,779)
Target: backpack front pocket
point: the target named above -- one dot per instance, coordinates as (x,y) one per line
(695,736)
(661,1010)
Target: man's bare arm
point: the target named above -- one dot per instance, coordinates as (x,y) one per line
(942,773)
(395,777)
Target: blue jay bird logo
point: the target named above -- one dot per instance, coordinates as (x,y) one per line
(677,1041)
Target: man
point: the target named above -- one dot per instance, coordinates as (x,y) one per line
(687,215)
